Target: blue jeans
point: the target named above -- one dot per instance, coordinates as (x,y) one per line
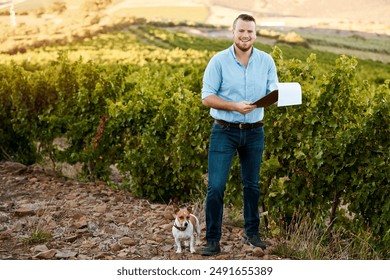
(224,142)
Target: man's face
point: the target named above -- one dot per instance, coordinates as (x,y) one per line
(244,34)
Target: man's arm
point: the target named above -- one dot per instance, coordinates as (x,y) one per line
(214,101)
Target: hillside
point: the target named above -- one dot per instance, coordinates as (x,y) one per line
(335,27)
(44,26)
(352,15)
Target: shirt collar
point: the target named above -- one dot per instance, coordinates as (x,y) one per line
(231,49)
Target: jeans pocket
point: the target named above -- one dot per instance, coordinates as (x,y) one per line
(220,139)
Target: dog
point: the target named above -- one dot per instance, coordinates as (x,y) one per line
(184,227)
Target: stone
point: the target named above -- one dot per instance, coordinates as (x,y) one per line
(24,211)
(167,248)
(128,241)
(122,255)
(65,255)
(167,227)
(20,179)
(4,206)
(81,223)
(258,252)
(14,167)
(115,247)
(168,215)
(228,248)
(33,180)
(83,257)
(3,218)
(71,239)
(39,249)
(46,255)
(101,208)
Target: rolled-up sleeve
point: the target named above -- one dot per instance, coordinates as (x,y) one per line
(212,78)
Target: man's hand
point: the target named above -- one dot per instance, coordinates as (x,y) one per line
(245,107)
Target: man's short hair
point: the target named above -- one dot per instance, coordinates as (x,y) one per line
(244,17)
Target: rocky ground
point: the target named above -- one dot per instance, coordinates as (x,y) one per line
(47,216)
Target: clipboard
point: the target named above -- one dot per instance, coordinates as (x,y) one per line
(267,100)
(287,94)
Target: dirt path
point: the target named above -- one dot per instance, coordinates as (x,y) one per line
(46,216)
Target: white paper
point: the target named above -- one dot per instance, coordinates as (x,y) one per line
(289,94)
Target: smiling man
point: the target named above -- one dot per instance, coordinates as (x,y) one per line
(233,79)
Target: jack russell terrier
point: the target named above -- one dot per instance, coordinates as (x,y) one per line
(184,227)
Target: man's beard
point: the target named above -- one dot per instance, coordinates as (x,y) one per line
(243,49)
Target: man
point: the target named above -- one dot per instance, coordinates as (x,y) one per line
(233,79)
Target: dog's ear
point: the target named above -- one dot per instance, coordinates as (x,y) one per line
(189,209)
(176,210)
(175,207)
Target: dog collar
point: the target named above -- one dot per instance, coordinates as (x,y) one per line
(180,228)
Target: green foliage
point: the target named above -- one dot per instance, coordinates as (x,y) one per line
(38,236)
(20,103)
(165,155)
(183,40)
(328,158)
(370,193)
(323,148)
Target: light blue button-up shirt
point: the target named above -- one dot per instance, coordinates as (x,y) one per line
(227,78)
